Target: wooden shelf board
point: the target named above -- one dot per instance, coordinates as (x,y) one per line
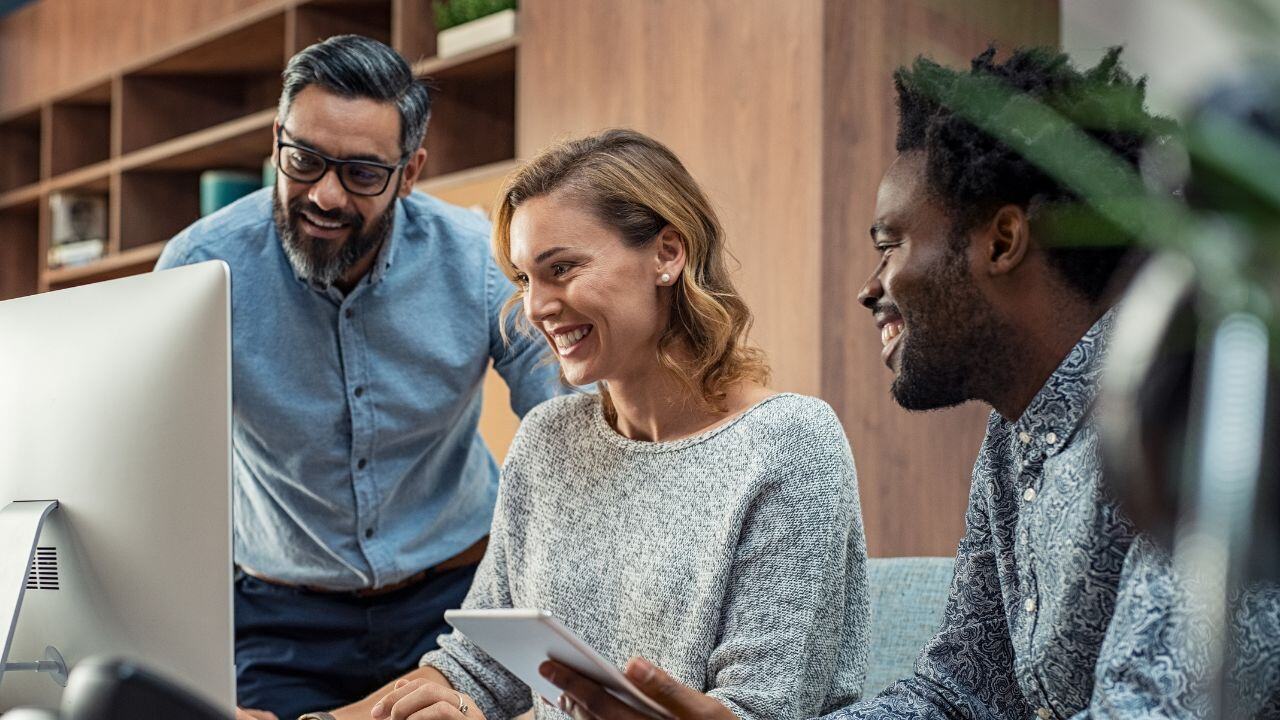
(95,177)
(111,263)
(28,194)
(237,140)
(457,65)
(479,186)
(24,115)
(470,176)
(93,93)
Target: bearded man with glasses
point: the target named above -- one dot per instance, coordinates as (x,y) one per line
(364,317)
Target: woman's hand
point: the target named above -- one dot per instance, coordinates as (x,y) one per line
(242,714)
(413,696)
(585,699)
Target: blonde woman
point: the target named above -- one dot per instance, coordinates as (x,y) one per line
(685,512)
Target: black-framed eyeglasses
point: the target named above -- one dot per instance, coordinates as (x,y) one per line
(359,177)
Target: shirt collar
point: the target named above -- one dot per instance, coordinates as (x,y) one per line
(1064,401)
(386,256)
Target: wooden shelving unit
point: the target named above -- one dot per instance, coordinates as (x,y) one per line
(141,136)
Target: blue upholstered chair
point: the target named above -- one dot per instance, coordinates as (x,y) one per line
(907,598)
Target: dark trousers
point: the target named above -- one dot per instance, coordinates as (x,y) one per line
(298,650)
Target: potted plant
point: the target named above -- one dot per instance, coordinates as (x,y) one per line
(463,25)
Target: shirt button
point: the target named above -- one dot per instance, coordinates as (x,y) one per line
(349,313)
(368,533)
(1024,437)
(359,391)
(1043,713)
(1051,438)
(1029,605)
(1029,494)
(362,463)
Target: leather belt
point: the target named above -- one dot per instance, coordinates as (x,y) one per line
(470,556)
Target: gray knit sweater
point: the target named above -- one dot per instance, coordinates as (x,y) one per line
(734,559)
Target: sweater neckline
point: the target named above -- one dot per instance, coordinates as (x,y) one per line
(610,435)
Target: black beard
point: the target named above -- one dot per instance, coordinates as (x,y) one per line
(316,259)
(955,345)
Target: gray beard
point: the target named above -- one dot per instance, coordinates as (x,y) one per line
(315,259)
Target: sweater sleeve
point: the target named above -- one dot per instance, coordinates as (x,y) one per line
(497,692)
(792,636)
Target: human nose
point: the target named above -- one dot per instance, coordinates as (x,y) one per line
(872,289)
(541,302)
(327,192)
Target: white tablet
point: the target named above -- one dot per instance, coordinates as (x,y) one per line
(523,639)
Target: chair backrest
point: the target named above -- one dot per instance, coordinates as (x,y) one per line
(907,598)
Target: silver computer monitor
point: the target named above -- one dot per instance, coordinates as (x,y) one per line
(115,400)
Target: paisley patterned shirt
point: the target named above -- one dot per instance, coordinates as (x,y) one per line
(1046,563)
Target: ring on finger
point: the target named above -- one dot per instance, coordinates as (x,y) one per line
(463,707)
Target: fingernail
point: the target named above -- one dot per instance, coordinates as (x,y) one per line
(643,669)
(377,710)
(401,683)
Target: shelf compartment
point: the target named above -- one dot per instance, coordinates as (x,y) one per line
(158,108)
(155,205)
(321,19)
(473,111)
(224,79)
(130,262)
(80,130)
(252,48)
(20,151)
(19,250)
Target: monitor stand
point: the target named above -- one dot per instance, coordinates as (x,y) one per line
(21,522)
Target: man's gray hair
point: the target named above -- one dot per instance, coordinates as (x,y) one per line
(355,66)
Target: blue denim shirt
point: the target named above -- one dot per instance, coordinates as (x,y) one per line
(1055,610)
(356,456)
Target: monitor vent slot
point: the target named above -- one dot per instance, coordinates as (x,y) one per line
(43,573)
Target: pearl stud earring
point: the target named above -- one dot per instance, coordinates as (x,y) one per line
(666,278)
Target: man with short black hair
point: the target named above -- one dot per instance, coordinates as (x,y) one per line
(364,316)
(1057,608)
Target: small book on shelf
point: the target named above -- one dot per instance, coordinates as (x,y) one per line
(78,228)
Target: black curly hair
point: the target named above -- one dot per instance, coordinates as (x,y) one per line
(974,174)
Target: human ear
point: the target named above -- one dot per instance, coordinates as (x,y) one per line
(669,255)
(412,169)
(1008,240)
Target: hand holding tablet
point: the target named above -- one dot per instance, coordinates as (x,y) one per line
(522,639)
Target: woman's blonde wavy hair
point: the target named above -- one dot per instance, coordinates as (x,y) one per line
(637,186)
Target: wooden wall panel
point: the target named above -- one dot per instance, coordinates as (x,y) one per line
(731,86)
(54,46)
(913,468)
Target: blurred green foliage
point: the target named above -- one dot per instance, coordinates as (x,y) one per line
(451,13)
